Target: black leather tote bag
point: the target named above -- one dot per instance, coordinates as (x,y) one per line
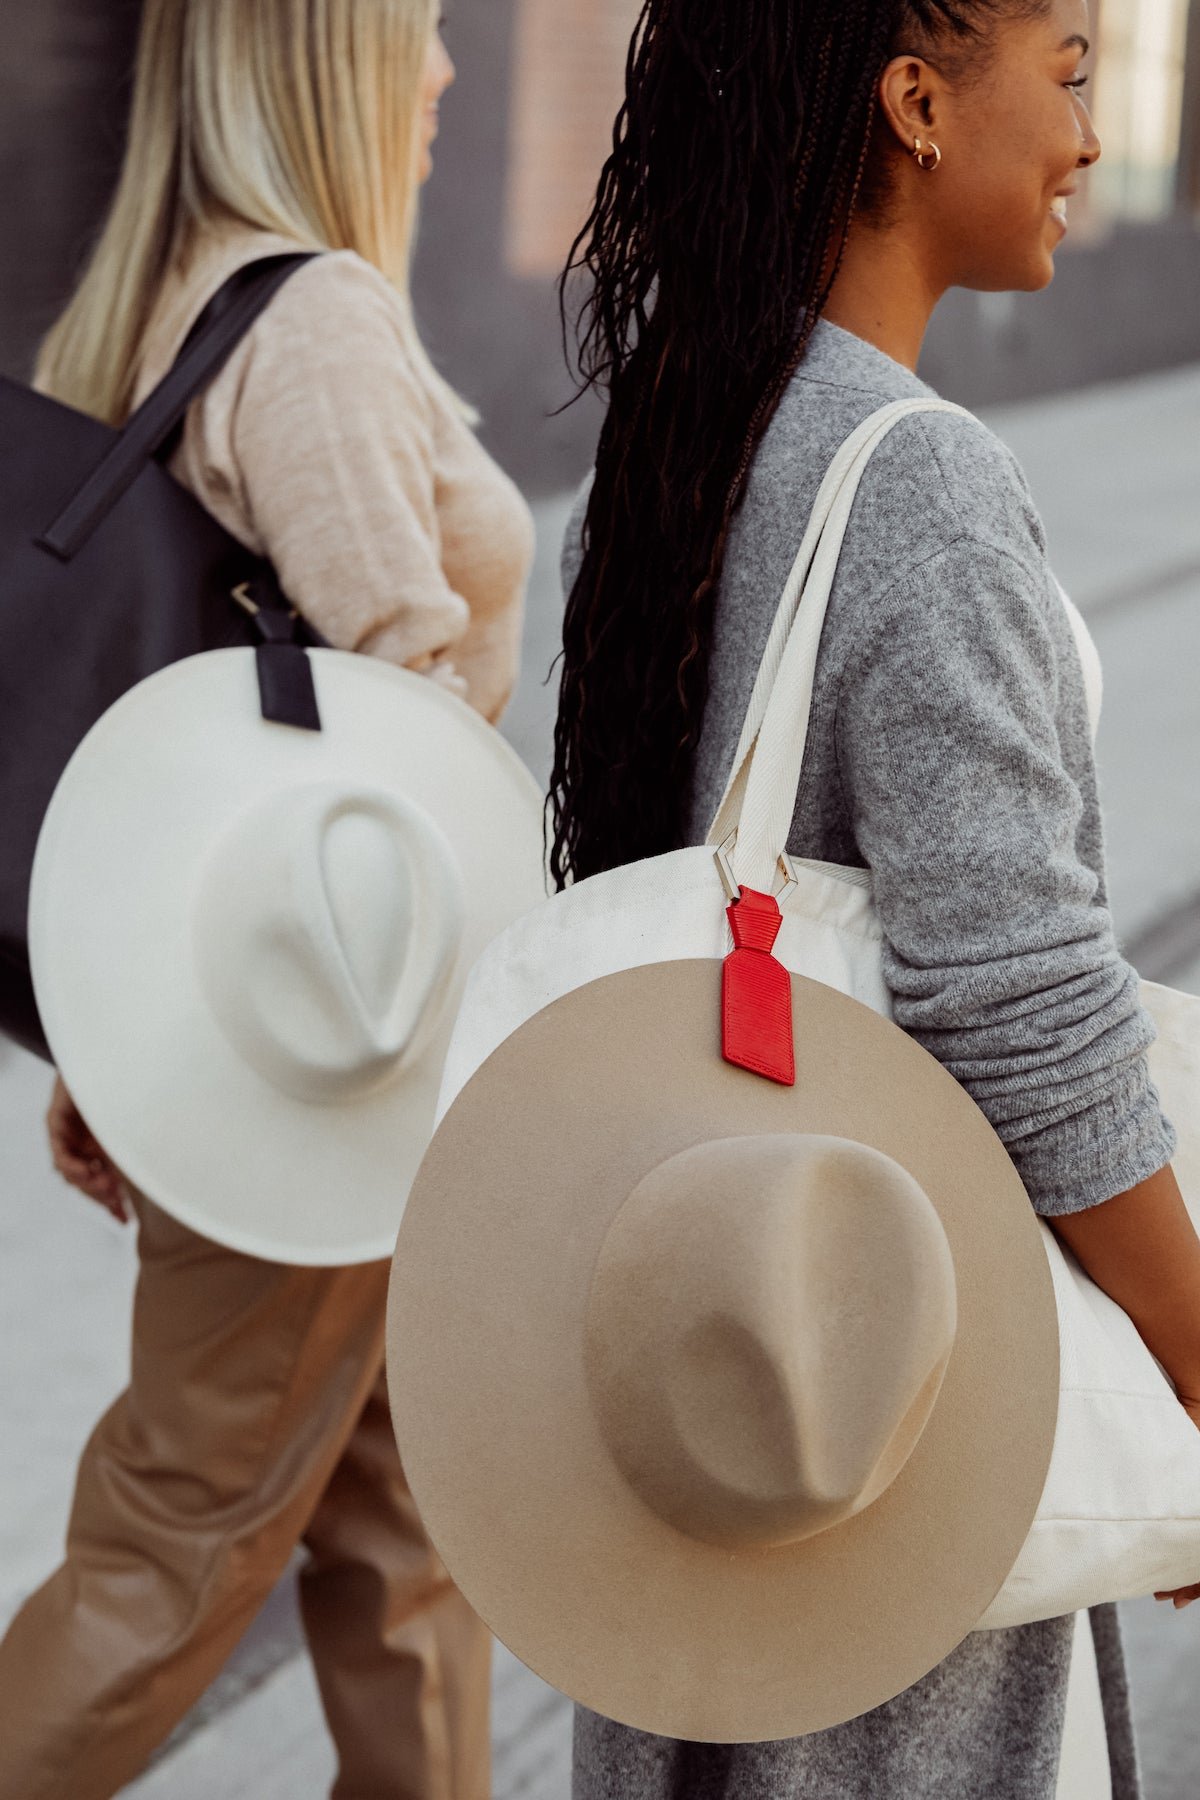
(110,570)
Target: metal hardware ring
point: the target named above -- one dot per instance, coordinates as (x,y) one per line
(730,882)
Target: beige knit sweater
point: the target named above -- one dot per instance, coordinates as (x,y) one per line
(323,446)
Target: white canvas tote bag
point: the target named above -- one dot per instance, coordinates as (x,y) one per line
(1120,1514)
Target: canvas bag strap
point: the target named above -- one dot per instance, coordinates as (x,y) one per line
(760,795)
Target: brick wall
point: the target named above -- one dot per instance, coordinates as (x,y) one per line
(568,81)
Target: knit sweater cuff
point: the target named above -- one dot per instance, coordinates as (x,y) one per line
(1082,1161)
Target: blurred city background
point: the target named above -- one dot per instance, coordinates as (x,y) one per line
(1096,385)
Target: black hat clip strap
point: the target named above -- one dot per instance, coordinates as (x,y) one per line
(286,691)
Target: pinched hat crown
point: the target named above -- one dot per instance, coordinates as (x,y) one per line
(769,1323)
(326,927)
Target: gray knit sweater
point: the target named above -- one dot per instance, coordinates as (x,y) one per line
(949,752)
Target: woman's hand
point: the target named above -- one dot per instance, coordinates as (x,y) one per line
(1185,1595)
(79,1159)
(447,676)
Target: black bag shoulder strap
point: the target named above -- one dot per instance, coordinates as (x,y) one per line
(212,339)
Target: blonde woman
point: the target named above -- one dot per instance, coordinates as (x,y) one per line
(256,1418)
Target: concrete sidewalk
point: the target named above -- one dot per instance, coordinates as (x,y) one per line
(1117,473)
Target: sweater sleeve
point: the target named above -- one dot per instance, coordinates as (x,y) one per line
(332,436)
(998,948)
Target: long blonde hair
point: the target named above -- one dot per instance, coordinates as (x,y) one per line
(300,117)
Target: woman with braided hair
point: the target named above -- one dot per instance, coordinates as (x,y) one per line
(794,184)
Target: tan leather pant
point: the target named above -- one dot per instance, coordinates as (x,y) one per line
(255,1419)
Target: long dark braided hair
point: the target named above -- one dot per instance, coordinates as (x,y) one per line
(717,232)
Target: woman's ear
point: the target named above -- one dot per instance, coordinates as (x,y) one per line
(909,96)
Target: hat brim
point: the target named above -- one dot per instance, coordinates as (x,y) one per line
(485,1353)
(129,831)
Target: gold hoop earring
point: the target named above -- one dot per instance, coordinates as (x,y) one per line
(922,151)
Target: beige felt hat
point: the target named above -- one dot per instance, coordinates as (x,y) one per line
(728,1404)
(249,941)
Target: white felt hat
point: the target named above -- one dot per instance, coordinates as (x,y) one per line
(248,941)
